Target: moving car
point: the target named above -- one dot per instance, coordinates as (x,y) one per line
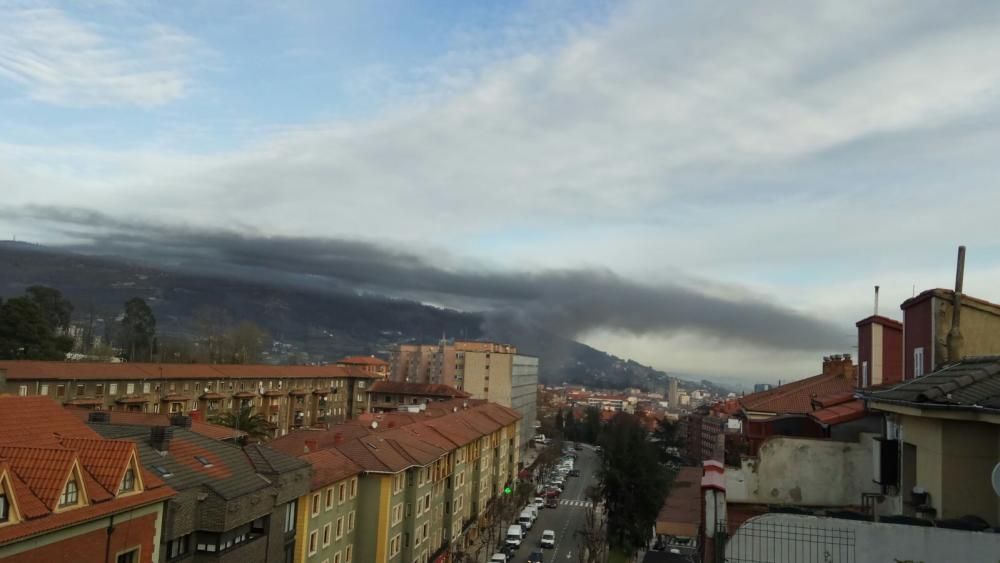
(498,558)
(548,539)
(574,472)
(552,502)
(577,446)
(535,557)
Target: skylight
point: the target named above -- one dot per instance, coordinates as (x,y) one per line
(203,461)
(163,471)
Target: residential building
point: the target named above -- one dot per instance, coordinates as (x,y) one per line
(758,387)
(785,409)
(396,395)
(424,363)
(328,514)
(206,429)
(290,396)
(369,364)
(673,394)
(233,503)
(497,373)
(423,480)
(880,351)
(68,494)
(927,320)
(942,441)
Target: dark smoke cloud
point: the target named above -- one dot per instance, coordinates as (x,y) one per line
(566,302)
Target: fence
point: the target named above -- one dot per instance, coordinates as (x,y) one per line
(782,542)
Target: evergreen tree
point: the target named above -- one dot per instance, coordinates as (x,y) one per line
(26,334)
(633,483)
(138,330)
(559,421)
(571,429)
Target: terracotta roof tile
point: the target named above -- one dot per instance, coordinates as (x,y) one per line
(840,413)
(418,389)
(330,466)
(48,422)
(214,431)
(363,361)
(30,370)
(106,460)
(796,397)
(43,470)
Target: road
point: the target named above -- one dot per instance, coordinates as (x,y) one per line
(566,520)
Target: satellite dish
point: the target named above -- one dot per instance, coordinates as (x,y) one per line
(995,479)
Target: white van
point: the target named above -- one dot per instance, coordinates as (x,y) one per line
(526,519)
(514,535)
(533,508)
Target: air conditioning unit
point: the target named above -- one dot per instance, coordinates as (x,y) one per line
(885,456)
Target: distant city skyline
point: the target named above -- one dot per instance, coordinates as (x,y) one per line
(781,159)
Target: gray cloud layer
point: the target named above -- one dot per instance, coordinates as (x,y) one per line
(566,301)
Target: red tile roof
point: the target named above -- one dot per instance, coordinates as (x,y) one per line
(840,413)
(363,361)
(330,466)
(681,511)
(796,397)
(418,389)
(40,443)
(213,431)
(32,370)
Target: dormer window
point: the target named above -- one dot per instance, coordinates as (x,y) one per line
(128,481)
(4,508)
(70,495)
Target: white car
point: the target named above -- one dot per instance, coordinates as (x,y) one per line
(548,539)
(498,558)
(515,534)
(539,502)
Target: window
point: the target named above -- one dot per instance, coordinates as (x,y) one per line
(918,362)
(398,481)
(99,389)
(315,504)
(22,390)
(397,514)
(80,390)
(313,540)
(350,522)
(129,388)
(130,556)
(340,527)
(45,389)
(329,498)
(349,554)
(290,509)
(71,494)
(203,461)
(163,471)
(420,506)
(112,388)
(4,507)
(354,487)
(864,374)
(336,557)
(427,501)
(145,387)
(177,547)
(128,481)
(394,546)
(342,493)
(326,535)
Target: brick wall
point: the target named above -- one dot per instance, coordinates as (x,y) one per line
(90,546)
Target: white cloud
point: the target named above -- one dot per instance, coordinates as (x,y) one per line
(59,60)
(792,148)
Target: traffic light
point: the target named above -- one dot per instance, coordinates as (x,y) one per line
(506,490)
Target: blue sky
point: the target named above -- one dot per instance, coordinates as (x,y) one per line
(791,152)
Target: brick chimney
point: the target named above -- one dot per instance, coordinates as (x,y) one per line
(839,364)
(310,446)
(160,437)
(180,421)
(99,417)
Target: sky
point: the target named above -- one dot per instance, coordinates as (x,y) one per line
(710,188)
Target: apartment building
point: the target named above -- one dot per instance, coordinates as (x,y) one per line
(233,503)
(67,493)
(370,364)
(290,396)
(486,370)
(414,484)
(401,395)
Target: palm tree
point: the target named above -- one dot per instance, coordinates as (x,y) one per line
(256,426)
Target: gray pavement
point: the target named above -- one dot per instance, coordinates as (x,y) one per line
(566,520)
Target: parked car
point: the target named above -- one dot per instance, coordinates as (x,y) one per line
(574,472)
(535,557)
(498,558)
(539,502)
(577,446)
(552,502)
(514,536)
(526,519)
(548,539)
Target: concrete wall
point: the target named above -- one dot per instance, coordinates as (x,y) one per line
(804,471)
(980,329)
(925,434)
(970,452)
(792,538)
(524,394)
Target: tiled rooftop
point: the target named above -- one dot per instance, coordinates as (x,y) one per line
(973,383)
(418,389)
(796,397)
(96,371)
(214,431)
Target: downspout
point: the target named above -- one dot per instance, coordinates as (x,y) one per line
(956,341)
(107,542)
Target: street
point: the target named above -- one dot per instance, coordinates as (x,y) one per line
(566,520)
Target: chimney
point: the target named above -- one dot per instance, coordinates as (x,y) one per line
(180,421)
(956,342)
(99,417)
(160,436)
(310,446)
(876,301)
(838,364)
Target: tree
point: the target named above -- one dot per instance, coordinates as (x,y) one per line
(591,425)
(245,343)
(665,437)
(633,483)
(594,535)
(25,332)
(572,432)
(56,308)
(138,330)
(559,421)
(256,426)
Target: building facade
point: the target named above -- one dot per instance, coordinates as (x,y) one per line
(397,395)
(289,396)
(370,364)
(68,494)
(414,486)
